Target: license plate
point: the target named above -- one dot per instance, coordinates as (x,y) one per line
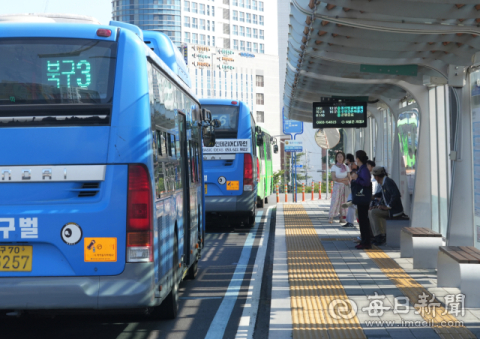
(15,258)
(233,185)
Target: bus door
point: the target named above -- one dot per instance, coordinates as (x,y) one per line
(185,179)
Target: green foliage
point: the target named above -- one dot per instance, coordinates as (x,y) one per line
(278,178)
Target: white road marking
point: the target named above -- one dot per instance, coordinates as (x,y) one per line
(199,298)
(220,321)
(250,309)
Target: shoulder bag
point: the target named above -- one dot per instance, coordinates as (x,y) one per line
(361,195)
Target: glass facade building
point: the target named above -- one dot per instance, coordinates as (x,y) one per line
(153,15)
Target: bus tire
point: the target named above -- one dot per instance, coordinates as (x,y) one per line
(169,307)
(260,204)
(251,218)
(192,271)
(266,200)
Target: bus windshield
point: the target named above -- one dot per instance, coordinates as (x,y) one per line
(56,71)
(227,115)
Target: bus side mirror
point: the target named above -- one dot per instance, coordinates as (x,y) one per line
(217,123)
(275,149)
(209,136)
(206,115)
(260,139)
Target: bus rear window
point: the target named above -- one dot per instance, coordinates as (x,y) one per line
(56,71)
(227,115)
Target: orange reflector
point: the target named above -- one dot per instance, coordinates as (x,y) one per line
(138,239)
(180,265)
(196,245)
(160,287)
(191,251)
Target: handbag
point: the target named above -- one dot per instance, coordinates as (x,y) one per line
(361,195)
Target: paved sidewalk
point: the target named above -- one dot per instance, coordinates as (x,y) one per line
(318,270)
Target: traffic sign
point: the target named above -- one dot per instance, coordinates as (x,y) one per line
(293,146)
(299,166)
(291,127)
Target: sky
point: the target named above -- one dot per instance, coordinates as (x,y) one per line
(99,9)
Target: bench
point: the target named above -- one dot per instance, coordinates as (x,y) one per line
(459,266)
(393,229)
(422,245)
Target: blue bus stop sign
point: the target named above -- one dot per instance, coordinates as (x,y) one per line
(291,127)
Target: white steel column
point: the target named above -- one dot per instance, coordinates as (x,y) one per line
(433,157)
(367,141)
(378,115)
(358,145)
(350,136)
(461,230)
(395,165)
(422,201)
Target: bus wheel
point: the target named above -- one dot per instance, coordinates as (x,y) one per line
(192,271)
(169,307)
(251,218)
(266,200)
(260,204)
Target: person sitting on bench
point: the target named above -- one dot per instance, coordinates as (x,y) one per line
(389,206)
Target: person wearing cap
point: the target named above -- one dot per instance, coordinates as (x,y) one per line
(390,205)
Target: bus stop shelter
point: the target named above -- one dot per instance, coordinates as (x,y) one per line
(418,63)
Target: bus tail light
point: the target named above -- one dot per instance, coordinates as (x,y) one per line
(139,215)
(105,33)
(247,172)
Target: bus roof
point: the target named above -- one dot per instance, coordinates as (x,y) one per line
(53,30)
(228,102)
(161,44)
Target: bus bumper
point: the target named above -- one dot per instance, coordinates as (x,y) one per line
(133,288)
(240,203)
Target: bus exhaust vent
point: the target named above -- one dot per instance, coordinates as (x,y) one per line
(89,189)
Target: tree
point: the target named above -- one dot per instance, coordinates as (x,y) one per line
(278,177)
(298,160)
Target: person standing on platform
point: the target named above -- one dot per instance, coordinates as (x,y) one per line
(363,179)
(350,162)
(341,180)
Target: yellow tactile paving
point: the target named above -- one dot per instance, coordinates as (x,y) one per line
(412,289)
(337,239)
(313,282)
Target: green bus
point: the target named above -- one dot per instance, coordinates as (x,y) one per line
(264,166)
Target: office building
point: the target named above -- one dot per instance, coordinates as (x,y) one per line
(230,47)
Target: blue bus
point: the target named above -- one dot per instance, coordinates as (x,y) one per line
(231,167)
(100,174)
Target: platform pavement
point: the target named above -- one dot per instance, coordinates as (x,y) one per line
(360,277)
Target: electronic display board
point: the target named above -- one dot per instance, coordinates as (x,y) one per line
(339,114)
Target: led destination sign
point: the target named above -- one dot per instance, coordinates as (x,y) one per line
(339,114)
